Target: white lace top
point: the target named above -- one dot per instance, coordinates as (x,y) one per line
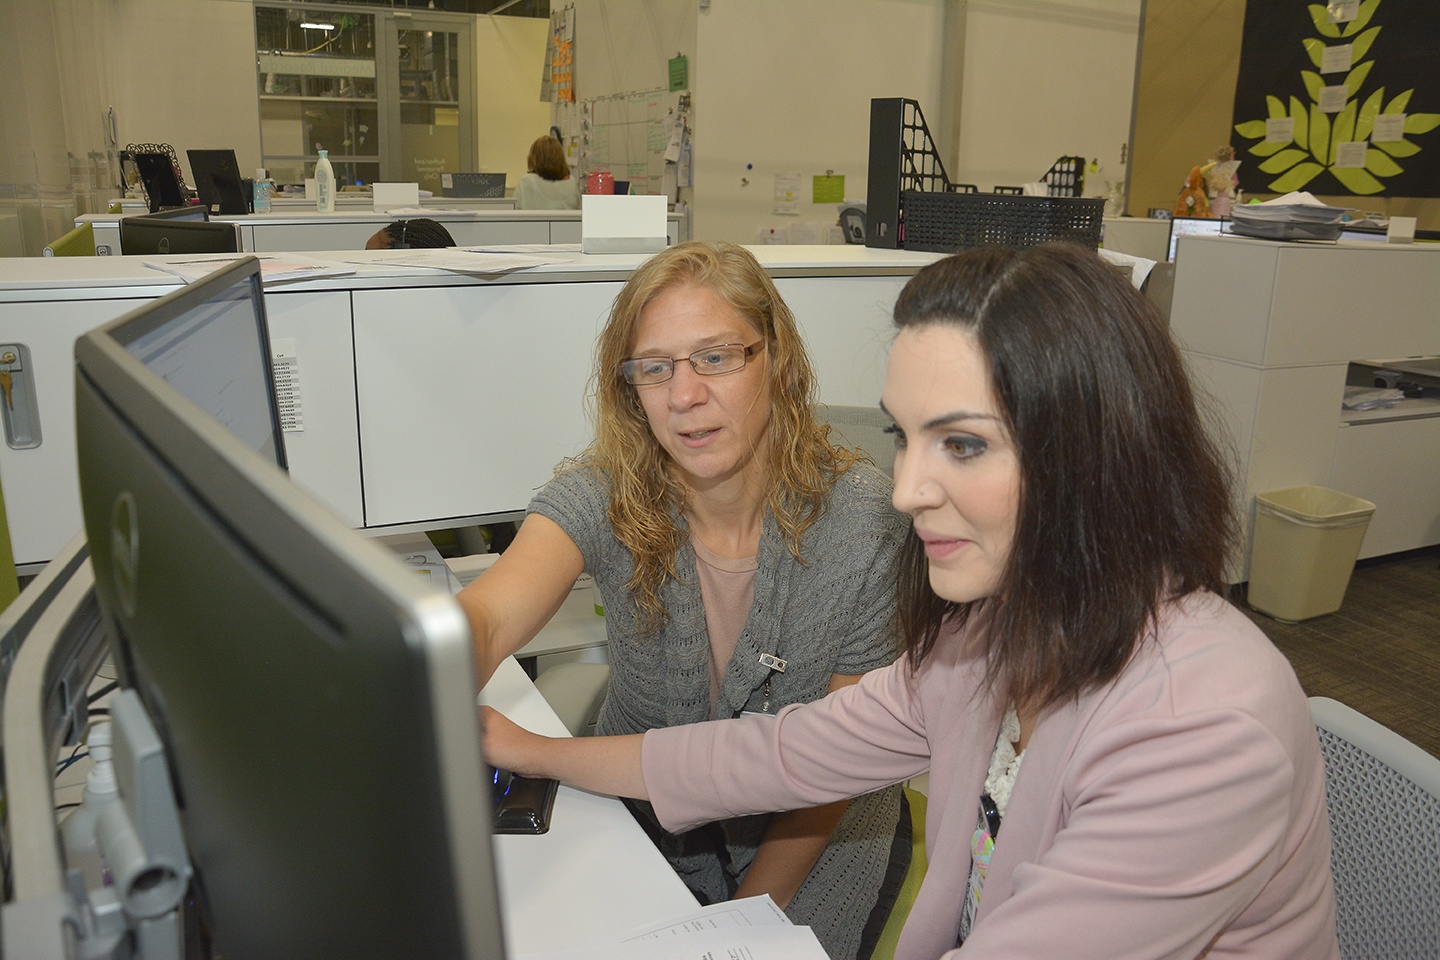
(1004,768)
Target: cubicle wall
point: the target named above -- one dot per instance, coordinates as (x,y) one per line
(427,399)
(1271,329)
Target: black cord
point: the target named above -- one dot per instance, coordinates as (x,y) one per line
(112,685)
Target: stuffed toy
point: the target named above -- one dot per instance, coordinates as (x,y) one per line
(1193,201)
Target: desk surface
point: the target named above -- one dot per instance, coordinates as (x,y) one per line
(595,875)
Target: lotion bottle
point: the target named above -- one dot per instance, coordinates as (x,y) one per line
(324,184)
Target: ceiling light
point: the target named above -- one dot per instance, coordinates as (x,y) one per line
(317,26)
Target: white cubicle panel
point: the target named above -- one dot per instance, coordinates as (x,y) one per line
(847,325)
(42,493)
(305,230)
(468,404)
(314,329)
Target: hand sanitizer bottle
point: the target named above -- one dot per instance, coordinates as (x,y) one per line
(262,191)
(324,184)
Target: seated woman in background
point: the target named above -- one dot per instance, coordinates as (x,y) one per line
(419,233)
(745,563)
(1121,765)
(548,185)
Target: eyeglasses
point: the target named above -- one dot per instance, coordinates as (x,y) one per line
(710,362)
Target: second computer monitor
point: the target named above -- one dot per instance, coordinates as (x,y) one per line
(151,235)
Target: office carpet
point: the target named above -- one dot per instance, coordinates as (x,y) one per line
(1380,652)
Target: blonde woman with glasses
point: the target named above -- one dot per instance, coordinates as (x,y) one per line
(746,563)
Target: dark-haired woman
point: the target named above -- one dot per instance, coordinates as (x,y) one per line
(417,233)
(1121,765)
(547,184)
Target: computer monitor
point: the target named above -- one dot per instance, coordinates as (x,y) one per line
(315,700)
(210,341)
(218,181)
(152,234)
(1193,226)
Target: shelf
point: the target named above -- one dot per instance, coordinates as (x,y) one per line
(298,98)
(1417,408)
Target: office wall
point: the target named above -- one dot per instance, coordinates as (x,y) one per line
(184,74)
(786,87)
(1007,86)
(1044,79)
(509,54)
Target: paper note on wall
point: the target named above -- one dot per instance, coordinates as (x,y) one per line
(285,362)
(787,194)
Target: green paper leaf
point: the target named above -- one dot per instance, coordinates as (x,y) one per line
(1357,181)
(1251,129)
(1282,161)
(1319,134)
(1316,50)
(1343,130)
(1355,79)
(1361,44)
(1265,148)
(1381,165)
(1313,83)
(1296,178)
(1274,107)
(1362,17)
(1321,16)
(1421,122)
(1301,116)
(1397,148)
(1365,120)
(1399,103)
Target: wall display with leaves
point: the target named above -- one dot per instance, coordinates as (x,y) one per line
(1340,97)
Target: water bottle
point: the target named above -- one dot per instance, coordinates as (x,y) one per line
(262,191)
(77,831)
(324,184)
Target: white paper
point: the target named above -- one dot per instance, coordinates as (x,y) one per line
(758,911)
(458,260)
(752,943)
(1342,11)
(1336,59)
(1332,99)
(285,362)
(1351,155)
(1279,129)
(1389,127)
(275,268)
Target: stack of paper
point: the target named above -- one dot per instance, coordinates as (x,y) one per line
(1295,216)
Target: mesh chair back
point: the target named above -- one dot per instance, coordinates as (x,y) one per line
(1383,797)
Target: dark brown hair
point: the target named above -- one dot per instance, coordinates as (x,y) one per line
(1124,496)
(547,158)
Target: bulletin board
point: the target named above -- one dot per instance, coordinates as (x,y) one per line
(627,134)
(1340,98)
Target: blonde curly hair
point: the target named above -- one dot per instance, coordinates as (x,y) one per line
(647,494)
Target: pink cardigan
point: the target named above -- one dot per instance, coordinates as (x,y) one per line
(1178,812)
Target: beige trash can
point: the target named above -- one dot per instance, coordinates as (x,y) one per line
(1306,542)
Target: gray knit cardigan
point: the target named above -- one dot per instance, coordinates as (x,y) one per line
(827,615)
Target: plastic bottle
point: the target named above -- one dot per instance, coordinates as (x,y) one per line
(77,831)
(324,184)
(263,189)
